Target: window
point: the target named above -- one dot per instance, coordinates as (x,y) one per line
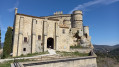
(86,35)
(41,44)
(24,49)
(36,21)
(63,31)
(25,39)
(39,37)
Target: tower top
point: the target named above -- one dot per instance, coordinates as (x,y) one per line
(77,12)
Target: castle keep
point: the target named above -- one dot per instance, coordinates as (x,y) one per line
(60,31)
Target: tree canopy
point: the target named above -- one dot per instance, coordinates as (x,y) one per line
(7,48)
(0,39)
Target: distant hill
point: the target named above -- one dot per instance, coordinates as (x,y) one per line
(104,48)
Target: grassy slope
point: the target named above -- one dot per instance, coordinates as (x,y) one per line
(6,64)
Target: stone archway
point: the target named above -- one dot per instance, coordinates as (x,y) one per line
(50,43)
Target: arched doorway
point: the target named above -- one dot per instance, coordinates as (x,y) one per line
(50,43)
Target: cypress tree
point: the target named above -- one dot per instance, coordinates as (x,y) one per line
(7,48)
(0,39)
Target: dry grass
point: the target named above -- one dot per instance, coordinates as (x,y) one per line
(107,62)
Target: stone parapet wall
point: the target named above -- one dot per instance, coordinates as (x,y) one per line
(89,61)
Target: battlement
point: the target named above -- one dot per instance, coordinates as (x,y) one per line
(58,13)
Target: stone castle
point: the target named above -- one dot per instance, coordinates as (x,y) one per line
(60,31)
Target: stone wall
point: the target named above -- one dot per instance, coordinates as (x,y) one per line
(81,50)
(67,62)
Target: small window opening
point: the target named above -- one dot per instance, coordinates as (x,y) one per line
(79,37)
(25,39)
(24,49)
(41,44)
(63,31)
(36,21)
(39,37)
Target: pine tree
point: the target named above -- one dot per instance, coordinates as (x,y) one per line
(0,38)
(7,48)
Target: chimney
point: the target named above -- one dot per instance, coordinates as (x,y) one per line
(16,11)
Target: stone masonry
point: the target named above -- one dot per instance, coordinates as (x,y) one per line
(60,31)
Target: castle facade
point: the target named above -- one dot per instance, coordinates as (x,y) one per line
(60,31)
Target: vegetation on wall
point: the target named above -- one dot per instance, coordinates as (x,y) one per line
(77,40)
(77,46)
(72,54)
(7,48)
(77,36)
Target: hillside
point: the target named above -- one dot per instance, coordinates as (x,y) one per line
(115,53)
(107,56)
(104,48)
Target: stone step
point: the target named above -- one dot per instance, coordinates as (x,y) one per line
(51,51)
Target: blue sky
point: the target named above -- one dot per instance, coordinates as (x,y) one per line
(102,16)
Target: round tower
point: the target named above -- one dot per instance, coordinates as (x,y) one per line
(77,19)
(86,30)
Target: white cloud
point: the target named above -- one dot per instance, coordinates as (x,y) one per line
(15,6)
(84,6)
